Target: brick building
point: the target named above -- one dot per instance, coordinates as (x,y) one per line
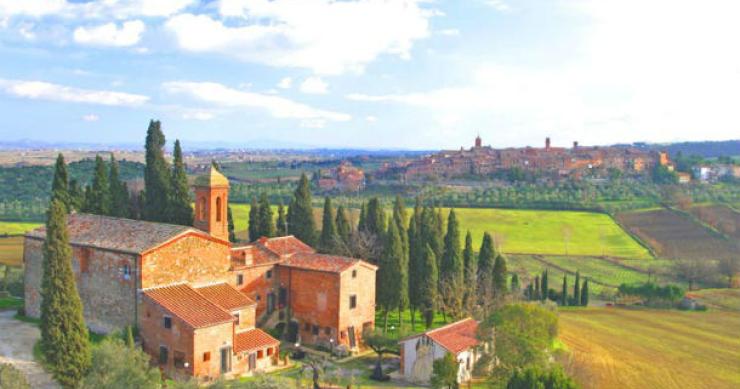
(200,302)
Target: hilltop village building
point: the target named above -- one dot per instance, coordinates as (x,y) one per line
(199,301)
(558,161)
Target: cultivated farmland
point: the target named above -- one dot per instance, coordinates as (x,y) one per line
(720,217)
(17,228)
(11,251)
(673,235)
(621,348)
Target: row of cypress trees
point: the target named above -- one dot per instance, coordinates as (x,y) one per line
(539,290)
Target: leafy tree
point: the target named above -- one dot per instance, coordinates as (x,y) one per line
(532,378)
(300,215)
(564,293)
(118,191)
(344,229)
(118,366)
(281,227)
(12,378)
(545,285)
(254,227)
(60,183)
(499,276)
(452,266)
(180,210)
(265,222)
(429,277)
(584,294)
(157,187)
(577,289)
(230,221)
(64,336)
(99,201)
(328,239)
(381,344)
(444,372)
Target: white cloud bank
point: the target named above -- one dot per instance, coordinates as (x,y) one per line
(328,37)
(314,85)
(115,9)
(110,34)
(54,92)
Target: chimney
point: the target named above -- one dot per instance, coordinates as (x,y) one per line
(575,145)
(547,143)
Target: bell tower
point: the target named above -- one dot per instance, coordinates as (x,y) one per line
(211,203)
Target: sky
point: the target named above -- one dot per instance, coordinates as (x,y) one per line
(401,74)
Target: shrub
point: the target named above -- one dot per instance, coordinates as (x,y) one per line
(12,378)
(529,378)
(116,365)
(653,294)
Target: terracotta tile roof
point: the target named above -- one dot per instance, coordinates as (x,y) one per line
(212,178)
(225,296)
(132,236)
(253,255)
(456,337)
(190,306)
(285,245)
(320,262)
(253,339)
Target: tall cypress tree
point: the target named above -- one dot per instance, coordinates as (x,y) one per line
(430,233)
(564,292)
(515,283)
(254,225)
(301,221)
(362,223)
(486,263)
(389,281)
(344,228)
(265,222)
(99,202)
(230,221)
(577,289)
(157,188)
(429,278)
(281,227)
(76,195)
(499,275)
(545,286)
(537,292)
(584,293)
(180,210)
(329,238)
(64,336)
(60,185)
(120,200)
(375,218)
(415,265)
(452,267)
(399,217)
(470,265)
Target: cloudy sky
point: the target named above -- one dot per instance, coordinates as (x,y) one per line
(371,73)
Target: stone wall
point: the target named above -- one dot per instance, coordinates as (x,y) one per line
(313,297)
(212,340)
(191,258)
(357,281)
(256,284)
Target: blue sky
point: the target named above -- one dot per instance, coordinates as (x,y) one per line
(412,74)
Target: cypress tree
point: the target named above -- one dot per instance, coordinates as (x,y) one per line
(537,293)
(254,227)
(300,218)
(430,232)
(389,280)
(499,275)
(64,336)
(399,217)
(230,221)
(87,200)
(281,228)
(100,199)
(486,262)
(545,287)
(76,195)
(265,222)
(584,293)
(515,283)
(530,292)
(344,229)
(118,191)
(60,185)
(329,238)
(157,187)
(452,267)
(180,210)
(130,337)
(429,278)
(577,289)
(362,223)
(375,218)
(564,297)
(470,265)
(415,267)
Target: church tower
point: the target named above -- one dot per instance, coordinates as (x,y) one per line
(478,142)
(211,203)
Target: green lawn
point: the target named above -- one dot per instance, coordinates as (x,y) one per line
(405,330)
(10,303)
(17,228)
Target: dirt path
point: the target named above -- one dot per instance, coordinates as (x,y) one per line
(16,348)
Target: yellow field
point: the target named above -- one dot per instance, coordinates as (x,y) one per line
(623,348)
(11,251)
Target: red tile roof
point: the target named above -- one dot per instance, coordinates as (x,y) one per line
(253,255)
(112,233)
(320,262)
(286,245)
(456,337)
(225,296)
(253,339)
(188,305)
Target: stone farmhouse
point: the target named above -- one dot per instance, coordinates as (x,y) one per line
(418,352)
(199,302)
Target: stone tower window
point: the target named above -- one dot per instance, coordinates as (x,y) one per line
(202,208)
(218,209)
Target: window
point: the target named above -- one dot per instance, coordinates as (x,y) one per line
(257,297)
(202,208)
(240,279)
(306,327)
(353,301)
(179,359)
(236,318)
(167,322)
(218,209)
(84,255)
(126,272)
(260,354)
(163,357)
(206,356)
(268,275)
(354,273)
(269,351)
(315,330)
(327,331)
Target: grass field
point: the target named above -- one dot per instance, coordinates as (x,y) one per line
(674,236)
(720,217)
(531,232)
(721,299)
(11,251)
(620,348)
(17,228)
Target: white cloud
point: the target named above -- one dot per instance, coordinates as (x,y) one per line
(285,83)
(117,9)
(47,91)
(449,32)
(31,7)
(110,34)
(91,117)
(371,119)
(314,85)
(498,5)
(279,107)
(198,115)
(328,37)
